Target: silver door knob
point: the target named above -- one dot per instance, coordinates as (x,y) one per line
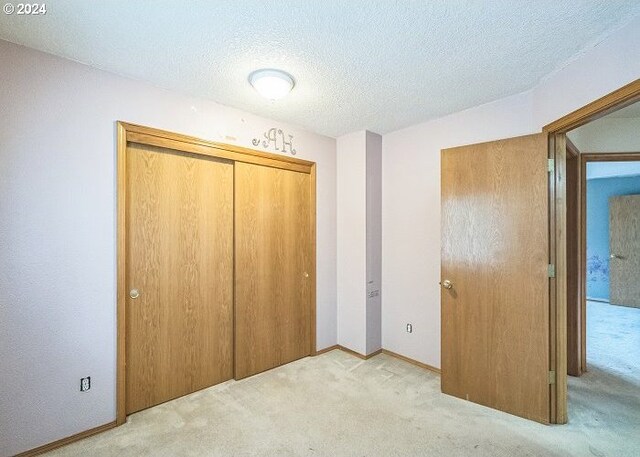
(447,284)
(306,275)
(134,293)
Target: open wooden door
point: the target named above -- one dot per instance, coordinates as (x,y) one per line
(624,237)
(495,275)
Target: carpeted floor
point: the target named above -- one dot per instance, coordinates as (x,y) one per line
(338,405)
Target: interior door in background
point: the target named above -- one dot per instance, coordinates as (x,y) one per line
(273,255)
(624,249)
(179,238)
(495,255)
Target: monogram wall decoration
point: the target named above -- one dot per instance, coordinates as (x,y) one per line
(275,138)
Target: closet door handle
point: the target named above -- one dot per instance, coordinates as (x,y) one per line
(134,293)
(306,275)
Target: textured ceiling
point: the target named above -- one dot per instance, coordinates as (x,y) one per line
(359,64)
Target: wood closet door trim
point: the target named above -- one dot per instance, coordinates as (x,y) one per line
(170,140)
(274,268)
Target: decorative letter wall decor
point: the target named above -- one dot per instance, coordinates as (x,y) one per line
(276,138)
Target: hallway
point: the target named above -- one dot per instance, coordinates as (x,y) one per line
(609,393)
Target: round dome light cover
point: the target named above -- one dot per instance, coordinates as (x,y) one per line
(271,84)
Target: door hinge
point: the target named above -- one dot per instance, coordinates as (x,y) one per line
(552,377)
(551,270)
(551,165)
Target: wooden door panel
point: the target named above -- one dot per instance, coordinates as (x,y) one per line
(273,268)
(624,246)
(495,251)
(180,257)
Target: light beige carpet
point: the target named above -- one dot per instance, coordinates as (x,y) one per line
(338,405)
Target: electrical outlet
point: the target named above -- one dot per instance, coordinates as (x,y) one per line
(85,384)
(409,328)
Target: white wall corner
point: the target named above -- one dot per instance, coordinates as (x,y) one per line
(351,240)
(374,242)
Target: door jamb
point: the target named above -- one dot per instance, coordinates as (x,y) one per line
(556,131)
(145,135)
(557,280)
(585,158)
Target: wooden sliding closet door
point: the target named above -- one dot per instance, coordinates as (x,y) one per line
(273,268)
(179,238)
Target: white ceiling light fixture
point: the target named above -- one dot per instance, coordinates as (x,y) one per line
(271,84)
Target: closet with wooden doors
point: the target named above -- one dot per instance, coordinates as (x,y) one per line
(216,264)
(273,264)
